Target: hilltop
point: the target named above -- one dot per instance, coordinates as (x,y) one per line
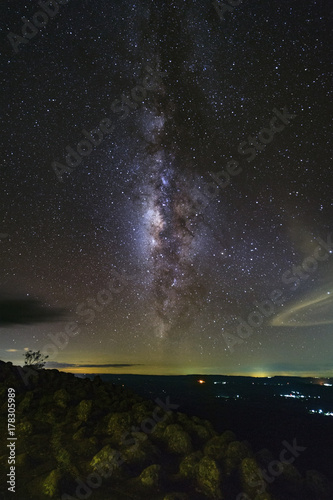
(79,438)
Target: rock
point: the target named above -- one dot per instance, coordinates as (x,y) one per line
(61,450)
(138,449)
(125,405)
(209,478)
(61,398)
(177,440)
(151,476)
(86,447)
(158,431)
(119,424)
(107,457)
(50,378)
(24,429)
(264,457)
(209,426)
(98,427)
(184,420)
(202,433)
(63,458)
(217,446)
(198,431)
(197,420)
(48,416)
(37,448)
(102,399)
(189,465)
(18,377)
(135,455)
(80,434)
(51,487)
(22,459)
(235,453)
(139,437)
(84,409)
(252,481)
(25,403)
(79,392)
(228,436)
(319,485)
(142,411)
(166,419)
(176,496)
(263,496)
(290,479)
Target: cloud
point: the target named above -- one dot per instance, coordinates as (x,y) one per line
(55,364)
(315,309)
(26,311)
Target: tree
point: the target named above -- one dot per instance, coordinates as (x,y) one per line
(35,359)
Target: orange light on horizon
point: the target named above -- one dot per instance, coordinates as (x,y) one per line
(201,381)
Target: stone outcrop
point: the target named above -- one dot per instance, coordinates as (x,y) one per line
(78,438)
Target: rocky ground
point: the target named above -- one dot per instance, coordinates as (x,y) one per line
(80,439)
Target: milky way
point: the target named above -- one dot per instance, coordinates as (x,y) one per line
(190,264)
(169,215)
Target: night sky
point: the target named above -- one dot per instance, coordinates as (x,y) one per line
(193,232)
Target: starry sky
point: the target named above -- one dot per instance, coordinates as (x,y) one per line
(166,187)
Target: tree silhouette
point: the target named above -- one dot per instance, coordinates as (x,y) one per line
(35,359)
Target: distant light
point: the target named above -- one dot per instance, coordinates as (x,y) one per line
(201,381)
(328,385)
(326,414)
